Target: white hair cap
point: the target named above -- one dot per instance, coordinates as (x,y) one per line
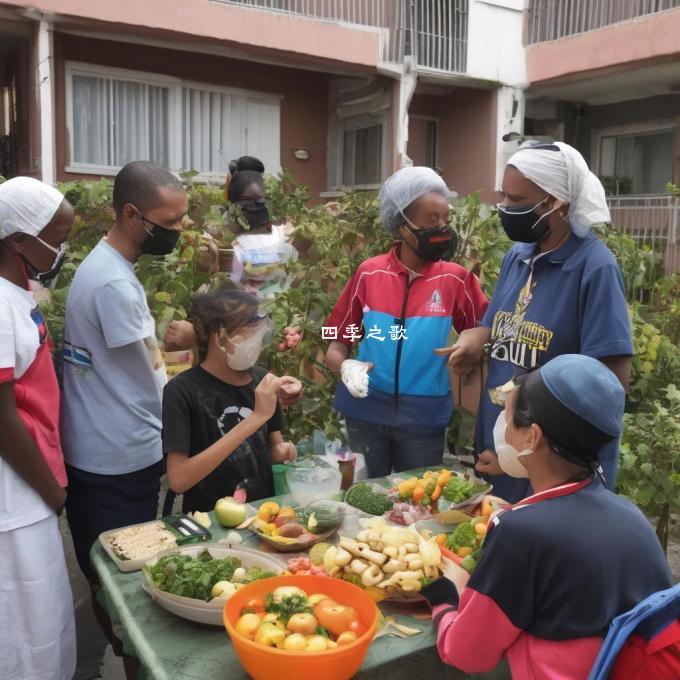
(27,206)
(564,174)
(404,187)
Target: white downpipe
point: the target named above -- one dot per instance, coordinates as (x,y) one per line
(407,87)
(46,98)
(509,118)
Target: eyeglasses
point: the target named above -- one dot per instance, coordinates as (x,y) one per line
(141,216)
(511,210)
(543,146)
(57,251)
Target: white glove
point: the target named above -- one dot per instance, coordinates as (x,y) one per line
(354,375)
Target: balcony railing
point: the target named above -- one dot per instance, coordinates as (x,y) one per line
(433,32)
(654,222)
(554,19)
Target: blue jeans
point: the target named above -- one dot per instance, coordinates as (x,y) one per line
(386,448)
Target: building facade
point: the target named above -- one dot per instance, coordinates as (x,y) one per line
(342,92)
(605,77)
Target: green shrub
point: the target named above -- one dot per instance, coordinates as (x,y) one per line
(332,241)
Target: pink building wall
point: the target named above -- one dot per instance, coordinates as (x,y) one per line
(655,37)
(304,114)
(202,20)
(466,150)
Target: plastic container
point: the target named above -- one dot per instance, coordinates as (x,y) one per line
(209,613)
(307,485)
(280,485)
(136,564)
(270,663)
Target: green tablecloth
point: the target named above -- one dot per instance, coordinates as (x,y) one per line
(170,648)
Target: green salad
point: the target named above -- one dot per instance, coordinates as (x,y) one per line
(458,489)
(195,576)
(465,537)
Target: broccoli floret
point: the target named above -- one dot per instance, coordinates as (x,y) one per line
(463,536)
(362,497)
(458,490)
(292,604)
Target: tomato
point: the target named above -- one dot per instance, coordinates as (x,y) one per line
(357,628)
(253,606)
(336,618)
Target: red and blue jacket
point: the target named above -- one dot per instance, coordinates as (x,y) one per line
(400,317)
(554,571)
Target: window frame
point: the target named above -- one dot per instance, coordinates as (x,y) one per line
(638,129)
(353,124)
(175,88)
(429,120)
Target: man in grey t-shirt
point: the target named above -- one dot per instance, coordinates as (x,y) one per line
(113,372)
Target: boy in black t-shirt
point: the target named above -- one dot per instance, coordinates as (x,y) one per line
(221,419)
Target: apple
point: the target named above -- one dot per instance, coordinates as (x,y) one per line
(229,513)
(295,642)
(223,589)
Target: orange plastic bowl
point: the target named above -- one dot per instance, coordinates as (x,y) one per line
(270,663)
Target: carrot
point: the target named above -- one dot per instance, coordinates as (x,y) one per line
(451,555)
(436,493)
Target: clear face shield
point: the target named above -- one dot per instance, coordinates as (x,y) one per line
(247,343)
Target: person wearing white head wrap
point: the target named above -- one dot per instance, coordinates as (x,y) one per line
(565,175)
(400,307)
(27,207)
(35,221)
(560,291)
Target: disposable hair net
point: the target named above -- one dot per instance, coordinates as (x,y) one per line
(564,174)
(27,205)
(404,187)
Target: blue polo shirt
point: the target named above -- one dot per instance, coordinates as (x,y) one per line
(577,306)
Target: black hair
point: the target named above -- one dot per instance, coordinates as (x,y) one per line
(138,183)
(523,417)
(224,308)
(244,171)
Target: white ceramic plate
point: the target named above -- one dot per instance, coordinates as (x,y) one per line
(196,610)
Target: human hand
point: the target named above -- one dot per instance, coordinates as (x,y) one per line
(57,499)
(267,396)
(179,335)
(354,375)
(465,355)
(455,573)
(487,463)
(283,452)
(290,391)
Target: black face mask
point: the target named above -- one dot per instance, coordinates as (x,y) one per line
(256,212)
(160,241)
(433,244)
(47,276)
(521,223)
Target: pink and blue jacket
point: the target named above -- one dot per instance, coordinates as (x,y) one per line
(400,318)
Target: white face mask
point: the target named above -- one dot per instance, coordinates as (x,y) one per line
(508,455)
(246,351)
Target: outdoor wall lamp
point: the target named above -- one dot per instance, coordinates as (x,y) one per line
(301,154)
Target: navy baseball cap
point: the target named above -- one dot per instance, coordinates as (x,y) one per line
(578,402)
